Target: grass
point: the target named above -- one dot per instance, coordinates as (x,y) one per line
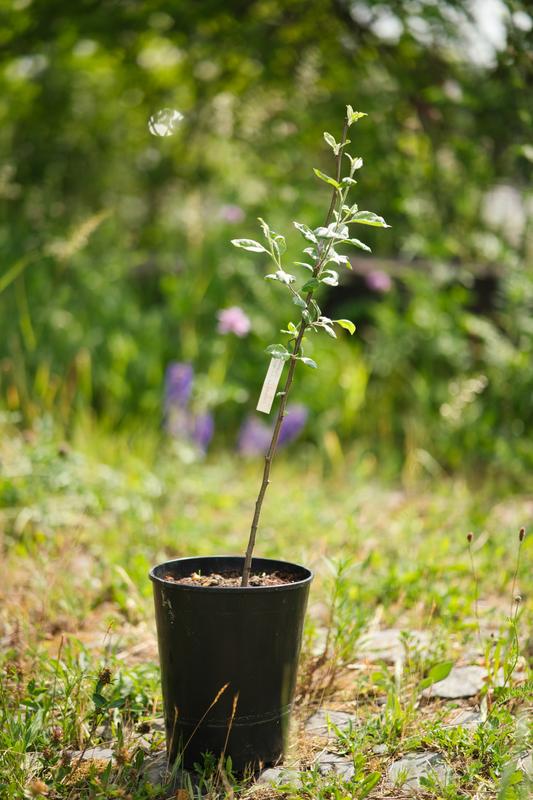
(81,526)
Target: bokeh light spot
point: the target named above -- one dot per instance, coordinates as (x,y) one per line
(164,122)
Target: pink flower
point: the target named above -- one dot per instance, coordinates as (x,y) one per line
(233,320)
(379,281)
(231,213)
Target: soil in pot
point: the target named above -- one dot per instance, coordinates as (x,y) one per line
(232,579)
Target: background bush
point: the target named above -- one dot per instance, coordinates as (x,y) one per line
(115,243)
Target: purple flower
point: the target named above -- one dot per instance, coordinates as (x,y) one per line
(231,213)
(203,427)
(180,422)
(293,423)
(379,281)
(178,385)
(254,437)
(233,320)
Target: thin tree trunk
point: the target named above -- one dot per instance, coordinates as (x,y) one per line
(285,393)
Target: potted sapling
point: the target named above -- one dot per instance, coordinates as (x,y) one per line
(229,627)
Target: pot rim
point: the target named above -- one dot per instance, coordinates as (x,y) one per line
(283,587)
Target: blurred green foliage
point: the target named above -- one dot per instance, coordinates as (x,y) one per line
(115,243)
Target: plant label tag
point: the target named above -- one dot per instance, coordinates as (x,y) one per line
(270,385)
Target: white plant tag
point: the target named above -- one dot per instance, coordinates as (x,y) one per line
(270,385)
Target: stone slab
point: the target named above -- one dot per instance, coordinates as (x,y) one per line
(94,754)
(465,718)
(409,771)
(279,776)
(461,682)
(157,773)
(388,644)
(321,722)
(333,762)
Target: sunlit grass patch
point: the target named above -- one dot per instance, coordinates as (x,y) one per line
(393,601)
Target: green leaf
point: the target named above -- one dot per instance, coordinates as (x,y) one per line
(304,264)
(278,351)
(310,285)
(306,232)
(355,163)
(350,209)
(352,116)
(99,700)
(279,242)
(291,329)
(249,244)
(117,703)
(308,362)
(276,240)
(281,276)
(436,674)
(368,784)
(332,143)
(331,278)
(299,301)
(265,226)
(369,218)
(13,272)
(358,243)
(335,146)
(326,178)
(346,324)
(337,258)
(333,231)
(325,323)
(316,309)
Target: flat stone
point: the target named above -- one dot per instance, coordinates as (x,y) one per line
(409,771)
(339,765)
(322,722)
(461,682)
(388,644)
(279,776)
(157,773)
(94,754)
(465,718)
(155,768)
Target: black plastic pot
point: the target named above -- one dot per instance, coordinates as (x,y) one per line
(248,638)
